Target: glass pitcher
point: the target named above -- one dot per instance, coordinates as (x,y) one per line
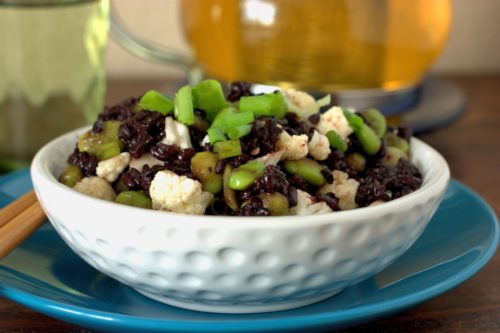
(316,45)
(52,71)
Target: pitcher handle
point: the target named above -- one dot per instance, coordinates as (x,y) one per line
(148,51)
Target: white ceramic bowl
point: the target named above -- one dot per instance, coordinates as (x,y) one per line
(235,264)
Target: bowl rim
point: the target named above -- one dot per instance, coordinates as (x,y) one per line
(435,185)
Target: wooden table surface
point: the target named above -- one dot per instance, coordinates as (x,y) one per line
(472,147)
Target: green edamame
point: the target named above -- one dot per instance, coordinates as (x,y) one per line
(244,176)
(71,175)
(308,170)
(203,167)
(369,140)
(392,156)
(276,203)
(104,144)
(336,141)
(393,140)
(356,161)
(229,194)
(377,122)
(135,199)
(355,121)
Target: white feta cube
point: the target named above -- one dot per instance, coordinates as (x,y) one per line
(179,194)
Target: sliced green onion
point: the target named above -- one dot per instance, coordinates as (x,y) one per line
(220,119)
(238,119)
(184,111)
(355,121)
(230,148)
(230,118)
(264,105)
(208,96)
(215,135)
(155,101)
(278,106)
(239,131)
(336,141)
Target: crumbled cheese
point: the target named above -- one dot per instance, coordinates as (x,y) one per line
(334,120)
(344,188)
(145,159)
(96,187)
(111,168)
(294,146)
(179,194)
(299,101)
(176,133)
(305,205)
(319,146)
(271,158)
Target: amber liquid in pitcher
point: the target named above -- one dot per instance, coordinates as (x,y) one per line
(320,45)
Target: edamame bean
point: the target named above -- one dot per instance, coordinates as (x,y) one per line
(71,175)
(203,167)
(104,144)
(376,120)
(355,121)
(276,203)
(356,161)
(392,156)
(369,140)
(241,179)
(393,140)
(336,141)
(135,199)
(244,176)
(308,170)
(229,194)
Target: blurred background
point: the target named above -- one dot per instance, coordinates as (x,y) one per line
(473,45)
(373,53)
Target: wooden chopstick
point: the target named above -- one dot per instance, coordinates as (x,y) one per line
(19,220)
(14,208)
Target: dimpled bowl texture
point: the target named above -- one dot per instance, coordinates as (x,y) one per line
(235,264)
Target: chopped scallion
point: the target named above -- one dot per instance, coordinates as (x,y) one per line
(230,148)
(155,101)
(239,131)
(208,96)
(237,119)
(264,105)
(220,119)
(184,111)
(215,135)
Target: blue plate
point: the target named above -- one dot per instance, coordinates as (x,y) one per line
(45,275)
